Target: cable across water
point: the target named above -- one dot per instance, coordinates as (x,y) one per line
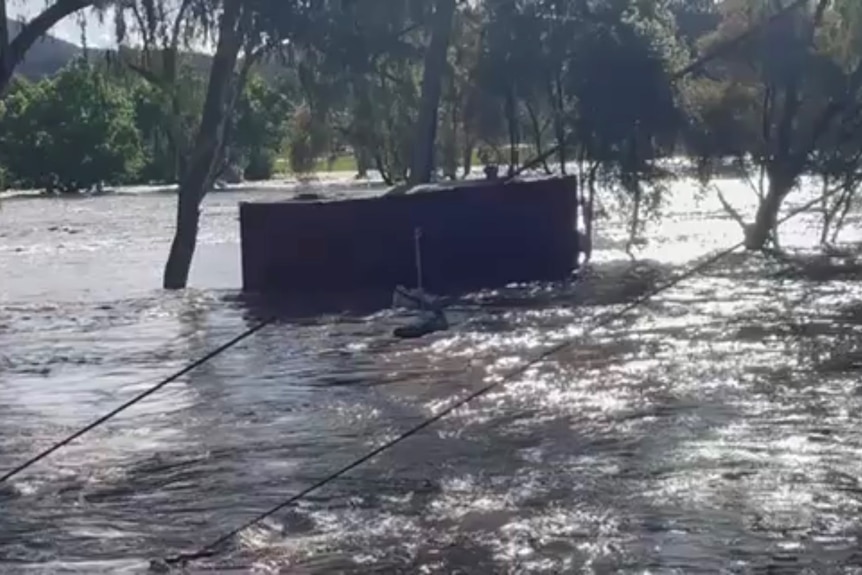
(135,400)
(211,549)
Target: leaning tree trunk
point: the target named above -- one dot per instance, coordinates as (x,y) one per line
(827,210)
(759,234)
(422,164)
(198,175)
(589,213)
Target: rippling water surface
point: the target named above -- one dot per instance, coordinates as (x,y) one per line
(716,429)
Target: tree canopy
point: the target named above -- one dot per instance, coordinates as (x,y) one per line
(417,90)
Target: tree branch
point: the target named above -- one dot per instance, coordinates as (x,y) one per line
(834,109)
(39,26)
(178,24)
(730,44)
(731,211)
(143,72)
(146,35)
(4,36)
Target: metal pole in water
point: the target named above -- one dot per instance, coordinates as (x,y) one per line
(417,241)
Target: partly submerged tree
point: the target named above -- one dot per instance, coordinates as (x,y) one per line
(240,32)
(236,32)
(787,99)
(592,82)
(626,111)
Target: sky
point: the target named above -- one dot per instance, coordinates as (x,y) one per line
(99,35)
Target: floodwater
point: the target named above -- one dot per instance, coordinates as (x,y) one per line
(715,430)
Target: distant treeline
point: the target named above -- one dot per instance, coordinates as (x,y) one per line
(605,85)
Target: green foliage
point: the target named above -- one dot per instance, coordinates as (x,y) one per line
(785,101)
(774,97)
(167,120)
(594,78)
(94,124)
(260,128)
(70,133)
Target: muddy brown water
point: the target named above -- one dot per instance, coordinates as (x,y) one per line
(714,430)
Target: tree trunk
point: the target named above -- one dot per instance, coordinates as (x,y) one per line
(6,73)
(362,135)
(363,162)
(449,142)
(185,240)
(5,67)
(387,177)
(559,126)
(199,174)
(763,229)
(514,139)
(422,165)
(467,160)
(827,211)
(538,133)
(589,213)
(175,137)
(838,225)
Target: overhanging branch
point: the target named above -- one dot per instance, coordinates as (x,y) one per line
(41,25)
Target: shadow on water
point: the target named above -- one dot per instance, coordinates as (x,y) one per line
(614,456)
(602,284)
(713,430)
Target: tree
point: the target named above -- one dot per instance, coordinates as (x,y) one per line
(260,127)
(422,163)
(694,20)
(240,31)
(307,140)
(200,172)
(163,30)
(797,83)
(167,121)
(70,133)
(13,50)
(357,66)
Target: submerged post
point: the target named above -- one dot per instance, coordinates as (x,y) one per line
(417,242)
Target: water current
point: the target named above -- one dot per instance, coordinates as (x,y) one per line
(714,430)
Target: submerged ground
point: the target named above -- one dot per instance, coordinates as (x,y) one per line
(715,430)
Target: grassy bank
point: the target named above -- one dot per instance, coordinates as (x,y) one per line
(347,162)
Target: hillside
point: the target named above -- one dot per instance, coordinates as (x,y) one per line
(47,56)
(50,54)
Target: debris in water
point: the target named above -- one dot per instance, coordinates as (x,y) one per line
(159,566)
(416,299)
(428,323)
(431,318)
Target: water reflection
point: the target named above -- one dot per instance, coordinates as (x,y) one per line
(714,430)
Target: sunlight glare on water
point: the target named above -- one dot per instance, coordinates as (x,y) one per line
(714,429)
